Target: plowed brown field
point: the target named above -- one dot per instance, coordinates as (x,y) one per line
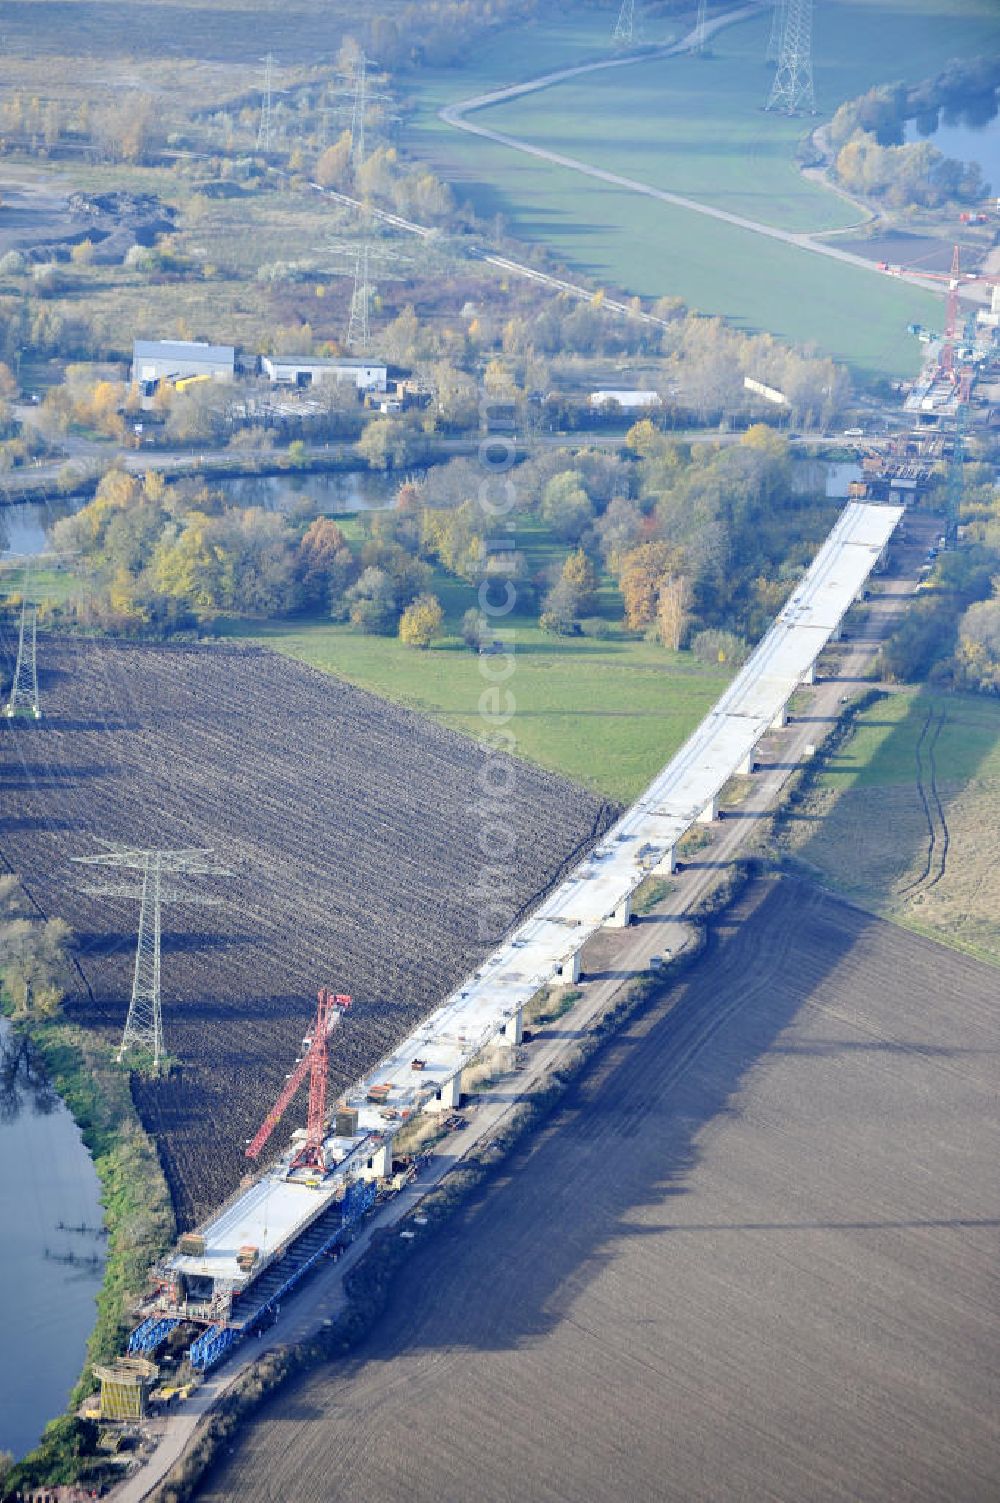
(356,833)
(752,1257)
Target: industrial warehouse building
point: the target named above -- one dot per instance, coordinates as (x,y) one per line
(305,370)
(628,401)
(155,360)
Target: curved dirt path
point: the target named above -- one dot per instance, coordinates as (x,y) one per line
(454,115)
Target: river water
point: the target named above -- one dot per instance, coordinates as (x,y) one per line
(49,1274)
(967,143)
(23,525)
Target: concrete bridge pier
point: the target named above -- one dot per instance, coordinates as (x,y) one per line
(710,813)
(379,1163)
(809,677)
(512,1031)
(781,719)
(665,866)
(570,971)
(622,916)
(448,1095)
(748,765)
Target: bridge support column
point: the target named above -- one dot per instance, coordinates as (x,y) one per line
(569,971)
(710,812)
(447,1096)
(622,916)
(748,765)
(665,866)
(781,719)
(513,1030)
(809,677)
(379,1163)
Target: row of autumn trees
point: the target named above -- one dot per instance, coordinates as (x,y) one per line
(867,135)
(160,558)
(951,633)
(695,537)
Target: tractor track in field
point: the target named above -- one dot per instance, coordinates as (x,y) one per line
(938,842)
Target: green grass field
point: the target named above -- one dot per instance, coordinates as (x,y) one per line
(607,713)
(882,752)
(695,126)
(866,829)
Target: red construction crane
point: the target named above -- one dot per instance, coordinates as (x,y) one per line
(330,1009)
(956,279)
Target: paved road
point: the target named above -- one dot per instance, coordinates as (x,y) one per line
(454,115)
(610,961)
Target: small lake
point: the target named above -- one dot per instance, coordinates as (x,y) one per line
(345,491)
(23,524)
(49,1273)
(967,143)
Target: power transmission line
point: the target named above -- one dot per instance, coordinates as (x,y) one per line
(792,89)
(144,1024)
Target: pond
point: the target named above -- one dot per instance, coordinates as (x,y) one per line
(967,143)
(23,524)
(52,1262)
(342,491)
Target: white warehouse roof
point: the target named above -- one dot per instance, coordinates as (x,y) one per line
(625,398)
(184,350)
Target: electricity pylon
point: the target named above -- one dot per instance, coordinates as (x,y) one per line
(361,254)
(701,28)
(144,1024)
(625,26)
(774,35)
(24,689)
(792,90)
(358,325)
(359,97)
(358,111)
(264,128)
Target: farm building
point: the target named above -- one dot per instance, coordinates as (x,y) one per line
(155,360)
(627,400)
(304,370)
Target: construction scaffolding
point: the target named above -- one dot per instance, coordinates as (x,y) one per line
(125,1386)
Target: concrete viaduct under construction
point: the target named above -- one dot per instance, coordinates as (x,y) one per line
(229,1274)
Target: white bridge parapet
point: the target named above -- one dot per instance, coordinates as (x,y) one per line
(424,1070)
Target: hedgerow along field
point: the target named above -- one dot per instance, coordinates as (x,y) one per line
(362,846)
(904,817)
(696,126)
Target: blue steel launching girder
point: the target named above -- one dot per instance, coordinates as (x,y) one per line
(147,1337)
(359,1197)
(211,1346)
